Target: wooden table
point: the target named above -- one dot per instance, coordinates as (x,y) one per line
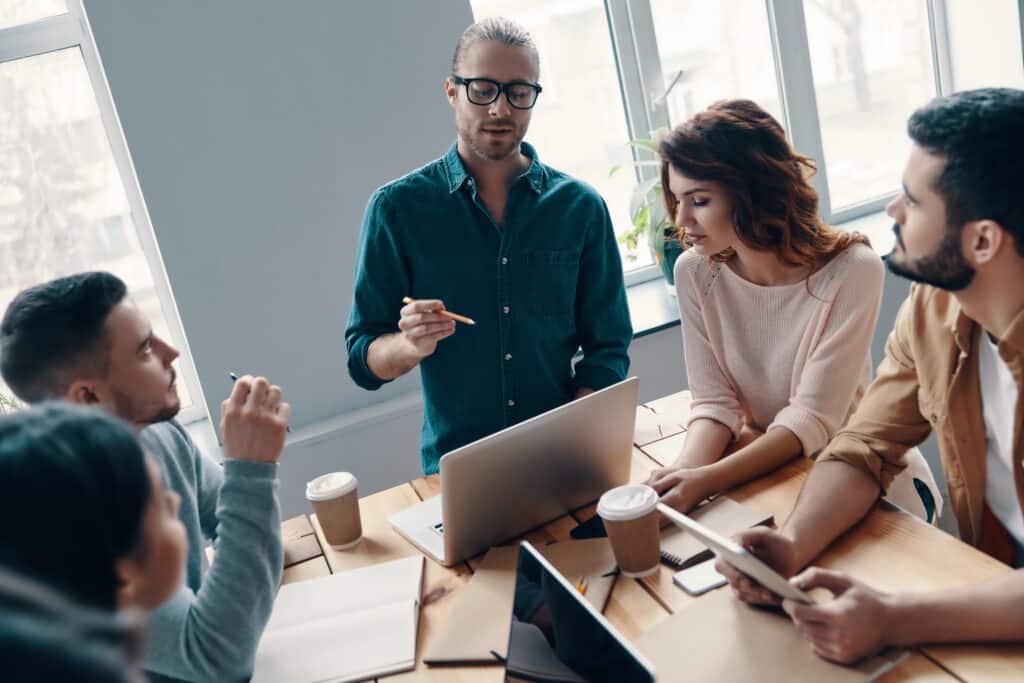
(889,549)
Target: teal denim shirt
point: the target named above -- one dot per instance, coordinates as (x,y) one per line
(545,285)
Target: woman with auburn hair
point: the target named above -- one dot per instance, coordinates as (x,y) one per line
(778,309)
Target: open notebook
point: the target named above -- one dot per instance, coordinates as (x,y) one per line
(345,627)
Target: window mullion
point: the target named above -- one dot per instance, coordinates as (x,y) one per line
(796,86)
(39,37)
(942,62)
(639,70)
(140,212)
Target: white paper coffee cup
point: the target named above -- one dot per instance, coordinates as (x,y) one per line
(335,498)
(630,515)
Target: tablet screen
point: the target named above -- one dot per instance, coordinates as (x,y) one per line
(556,635)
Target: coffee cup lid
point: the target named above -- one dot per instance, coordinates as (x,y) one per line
(331,485)
(624,503)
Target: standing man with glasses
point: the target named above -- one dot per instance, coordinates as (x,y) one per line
(489,231)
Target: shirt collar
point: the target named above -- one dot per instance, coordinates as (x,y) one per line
(536,175)
(963,329)
(1015,333)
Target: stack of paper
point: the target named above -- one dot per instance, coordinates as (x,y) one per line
(345,627)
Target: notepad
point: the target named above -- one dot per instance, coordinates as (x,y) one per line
(345,627)
(722,515)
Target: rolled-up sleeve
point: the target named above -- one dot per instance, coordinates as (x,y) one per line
(381,281)
(888,422)
(602,314)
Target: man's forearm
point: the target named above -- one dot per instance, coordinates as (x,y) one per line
(835,497)
(990,611)
(389,357)
(212,635)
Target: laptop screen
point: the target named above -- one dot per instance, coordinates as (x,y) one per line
(557,636)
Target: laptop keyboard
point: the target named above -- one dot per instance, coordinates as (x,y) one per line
(439,528)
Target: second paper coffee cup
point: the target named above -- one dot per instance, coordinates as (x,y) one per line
(630,515)
(335,498)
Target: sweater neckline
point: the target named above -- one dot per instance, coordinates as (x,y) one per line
(812,280)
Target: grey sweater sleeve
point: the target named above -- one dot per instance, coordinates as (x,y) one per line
(209,480)
(211,635)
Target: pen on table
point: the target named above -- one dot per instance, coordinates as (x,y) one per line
(234,378)
(447,314)
(581,585)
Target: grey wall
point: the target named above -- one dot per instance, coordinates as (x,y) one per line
(259,129)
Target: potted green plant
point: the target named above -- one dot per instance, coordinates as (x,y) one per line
(648,216)
(8,404)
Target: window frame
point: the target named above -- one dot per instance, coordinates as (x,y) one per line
(631,26)
(72,30)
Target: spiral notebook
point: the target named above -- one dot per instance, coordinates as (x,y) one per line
(724,515)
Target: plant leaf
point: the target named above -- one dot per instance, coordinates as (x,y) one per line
(649,145)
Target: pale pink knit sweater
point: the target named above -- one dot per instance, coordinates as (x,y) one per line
(777,356)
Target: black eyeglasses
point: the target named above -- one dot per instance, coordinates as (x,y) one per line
(483,91)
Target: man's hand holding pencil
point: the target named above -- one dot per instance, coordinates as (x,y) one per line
(421,325)
(425,322)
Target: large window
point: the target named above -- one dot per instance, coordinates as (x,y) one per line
(69,200)
(872,64)
(841,75)
(711,51)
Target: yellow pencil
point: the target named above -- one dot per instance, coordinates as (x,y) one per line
(581,585)
(447,314)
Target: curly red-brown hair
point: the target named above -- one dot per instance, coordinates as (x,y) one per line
(739,145)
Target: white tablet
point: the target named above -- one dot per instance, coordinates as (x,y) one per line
(737,556)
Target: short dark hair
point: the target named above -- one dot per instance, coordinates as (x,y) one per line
(981,135)
(55,329)
(83,476)
(499,29)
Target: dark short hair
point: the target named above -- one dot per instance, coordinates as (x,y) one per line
(981,135)
(73,489)
(498,29)
(54,330)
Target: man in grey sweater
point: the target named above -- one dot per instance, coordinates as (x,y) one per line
(82,339)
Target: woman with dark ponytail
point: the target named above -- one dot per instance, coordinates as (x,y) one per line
(778,308)
(85,511)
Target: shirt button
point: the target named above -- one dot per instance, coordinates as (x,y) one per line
(508,356)
(504,260)
(511,403)
(506,309)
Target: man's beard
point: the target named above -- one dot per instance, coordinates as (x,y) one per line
(472,138)
(130,411)
(946,269)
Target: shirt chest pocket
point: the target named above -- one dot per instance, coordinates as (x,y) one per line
(932,407)
(549,281)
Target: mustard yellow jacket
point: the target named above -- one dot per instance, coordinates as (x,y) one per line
(929,380)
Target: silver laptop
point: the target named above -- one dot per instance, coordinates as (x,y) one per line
(505,484)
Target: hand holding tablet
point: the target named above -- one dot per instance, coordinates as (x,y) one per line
(738,556)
